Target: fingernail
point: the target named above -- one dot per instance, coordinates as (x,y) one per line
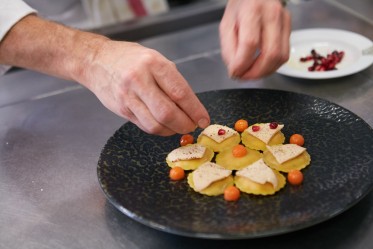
(203,123)
(234,76)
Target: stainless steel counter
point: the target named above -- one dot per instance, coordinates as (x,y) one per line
(52,132)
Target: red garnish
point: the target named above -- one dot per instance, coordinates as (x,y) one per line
(273,125)
(321,63)
(221,132)
(255,128)
(177,173)
(239,150)
(186,139)
(232,193)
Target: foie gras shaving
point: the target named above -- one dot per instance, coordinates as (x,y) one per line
(208,173)
(265,133)
(212,131)
(285,152)
(188,152)
(259,172)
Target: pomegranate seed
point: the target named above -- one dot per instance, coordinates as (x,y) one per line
(221,132)
(255,128)
(307,58)
(273,125)
(321,63)
(313,53)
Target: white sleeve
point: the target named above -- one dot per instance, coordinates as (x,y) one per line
(11,11)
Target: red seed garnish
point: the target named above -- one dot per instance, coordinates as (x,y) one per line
(221,132)
(321,63)
(255,128)
(273,125)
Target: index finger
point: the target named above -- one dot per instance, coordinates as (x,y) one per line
(178,90)
(275,45)
(248,44)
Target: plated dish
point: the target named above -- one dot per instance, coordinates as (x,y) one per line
(134,175)
(325,41)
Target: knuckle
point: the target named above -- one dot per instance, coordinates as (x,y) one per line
(164,67)
(165,114)
(223,26)
(255,6)
(153,59)
(171,64)
(276,11)
(250,42)
(154,128)
(178,92)
(149,57)
(287,15)
(273,55)
(131,75)
(277,6)
(285,57)
(126,113)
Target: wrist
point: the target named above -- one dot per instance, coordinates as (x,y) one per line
(87,47)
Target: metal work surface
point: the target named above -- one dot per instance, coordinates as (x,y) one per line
(52,132)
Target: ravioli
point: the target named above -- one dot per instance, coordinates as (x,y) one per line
(218,159)
(258,140)
(259,179)
(297,160)
(210,179)
(219,137)
(228,161)
(216,188)
(189,157)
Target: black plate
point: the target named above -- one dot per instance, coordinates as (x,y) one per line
(134,176)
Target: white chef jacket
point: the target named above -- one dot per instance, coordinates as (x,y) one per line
(11,11)
(83,14)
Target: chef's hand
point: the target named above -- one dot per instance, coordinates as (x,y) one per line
(141,85)
(254,37)
(136,83)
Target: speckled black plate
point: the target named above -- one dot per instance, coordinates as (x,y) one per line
(134,176)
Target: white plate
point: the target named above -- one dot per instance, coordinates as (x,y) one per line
(324,41)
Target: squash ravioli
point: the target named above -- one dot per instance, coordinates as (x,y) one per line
(219,137)
(210,179)
(255,143)
(299,162)
(192,163)
(215,188)
(250,187)
(228,161)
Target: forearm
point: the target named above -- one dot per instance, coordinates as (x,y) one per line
(135,82)
(51,48)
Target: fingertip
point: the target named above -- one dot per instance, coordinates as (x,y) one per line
(232,72)
(203,123)
(232,76)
